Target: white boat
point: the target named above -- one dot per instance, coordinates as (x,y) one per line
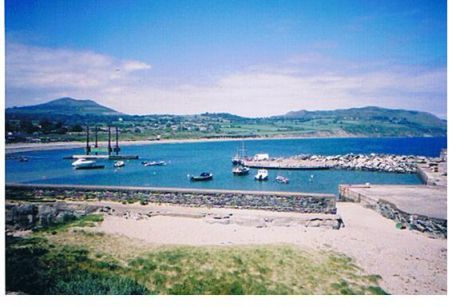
(86,164)
(83,162)
(154,163)
(119,164)
(262,174)
(240,170)
(282,179)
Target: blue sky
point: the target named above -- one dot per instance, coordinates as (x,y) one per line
(252,58)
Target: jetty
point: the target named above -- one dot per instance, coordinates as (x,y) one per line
(285,164)
(418,207)
(362,162)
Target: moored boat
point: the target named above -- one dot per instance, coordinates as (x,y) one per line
(119,164)
(240,170)
(202,177)
(240,155)
(261,175)
(282,179)
(86,164)
(154,163)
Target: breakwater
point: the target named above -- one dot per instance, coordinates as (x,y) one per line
(272,201)
(370,162)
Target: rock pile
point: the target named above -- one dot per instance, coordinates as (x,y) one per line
(371,162)
(433,226)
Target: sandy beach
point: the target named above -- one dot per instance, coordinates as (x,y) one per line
(409,262)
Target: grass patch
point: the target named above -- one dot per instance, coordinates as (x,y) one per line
(82,261)
(248,270)
(34,266)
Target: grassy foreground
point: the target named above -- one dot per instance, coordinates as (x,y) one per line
(74,259)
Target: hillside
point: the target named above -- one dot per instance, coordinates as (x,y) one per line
(370,114)
(372,121)
(63,120)
(65,106)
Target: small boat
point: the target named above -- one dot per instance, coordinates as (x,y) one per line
(23,159)
(261,175)
(154,163)
(203,177)
(240,170)
(282,179)
(86,164)
(119,164)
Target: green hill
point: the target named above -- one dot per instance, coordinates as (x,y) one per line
(63,120)
(64,106)
(371,121)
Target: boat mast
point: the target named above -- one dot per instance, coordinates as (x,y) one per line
(95,143)
(88,148)
(117,148)
(109,142)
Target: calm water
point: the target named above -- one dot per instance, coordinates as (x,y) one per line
(194,158)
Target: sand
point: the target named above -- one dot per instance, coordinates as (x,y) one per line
(409,262)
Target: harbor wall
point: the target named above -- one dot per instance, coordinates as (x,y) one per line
(430,225)
(423,176)
(272,201)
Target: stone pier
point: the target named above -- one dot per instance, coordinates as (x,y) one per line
(418,207)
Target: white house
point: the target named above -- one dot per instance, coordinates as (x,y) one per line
(261,157)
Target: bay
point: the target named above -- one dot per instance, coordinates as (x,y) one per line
(186,159)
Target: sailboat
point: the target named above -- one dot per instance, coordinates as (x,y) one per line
(239,156)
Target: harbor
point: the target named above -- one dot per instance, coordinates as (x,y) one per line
(362,206)
(183,159)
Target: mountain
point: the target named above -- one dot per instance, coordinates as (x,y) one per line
(373,121)
(66,107)
(369,113)
(67,114)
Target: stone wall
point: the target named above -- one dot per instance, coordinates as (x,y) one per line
(33,215)
(434,226)
(273,201)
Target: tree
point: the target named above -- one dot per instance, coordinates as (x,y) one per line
(76,128)
(27,127)
(46,126)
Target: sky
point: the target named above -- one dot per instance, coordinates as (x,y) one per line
(251,58)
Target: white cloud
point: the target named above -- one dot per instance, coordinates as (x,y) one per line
(298,83)
(45,68)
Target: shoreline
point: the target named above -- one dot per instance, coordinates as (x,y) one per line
(27,147)
(408,262)
(397,256)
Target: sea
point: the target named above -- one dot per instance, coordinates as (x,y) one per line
(186,159)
